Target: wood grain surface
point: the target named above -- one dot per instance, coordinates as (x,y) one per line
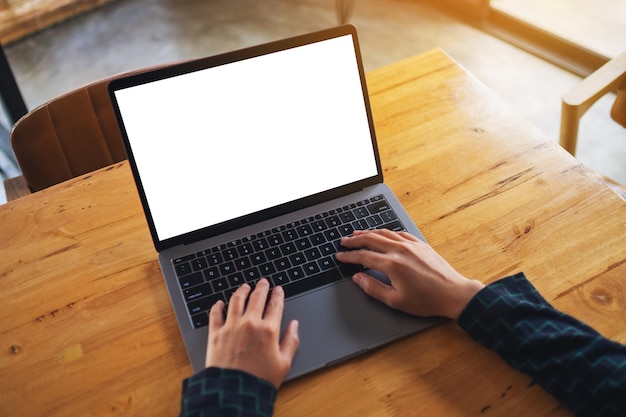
(87,328)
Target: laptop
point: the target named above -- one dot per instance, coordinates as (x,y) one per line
(254,163)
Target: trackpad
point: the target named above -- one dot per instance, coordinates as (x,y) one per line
(337,322)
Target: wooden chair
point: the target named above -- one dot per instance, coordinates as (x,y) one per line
(66,137)
(609,78)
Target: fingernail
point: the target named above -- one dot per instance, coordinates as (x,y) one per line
(357,279)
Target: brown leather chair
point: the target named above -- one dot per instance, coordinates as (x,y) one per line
(66,137)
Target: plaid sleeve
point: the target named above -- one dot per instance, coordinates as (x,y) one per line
(583,370)
(227,392)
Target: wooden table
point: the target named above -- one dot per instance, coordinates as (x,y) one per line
(87,327)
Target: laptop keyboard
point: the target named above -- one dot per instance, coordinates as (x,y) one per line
(299,256)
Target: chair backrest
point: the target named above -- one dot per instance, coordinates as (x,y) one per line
(69,136)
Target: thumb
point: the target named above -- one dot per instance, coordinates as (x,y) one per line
(291,340)
(373,287)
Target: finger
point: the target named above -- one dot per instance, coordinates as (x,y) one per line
(390,234)
(237,303)
(408,236)
(373,287)
(258,298)
(376,240)
(216,316)
(276,305)
(367,258)
(291,340)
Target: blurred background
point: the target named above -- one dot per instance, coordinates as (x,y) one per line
(530,52)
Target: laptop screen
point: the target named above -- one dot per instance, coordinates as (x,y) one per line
(223,142)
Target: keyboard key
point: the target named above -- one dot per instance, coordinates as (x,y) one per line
(388,216)
(251,274)
(378,206)
(243,263)
(347,270)
(227,268)
(219,284)
(229,293)
(297,259)
(289,235)
(361,212)
(317,239)
(203,304)
(245,249)
(321,216)
(295,273)
(288,248)
(276,240)
(312,282)
(183,259)
(347,217)
(312,254)
(328,249)
(215,259)
(319,225)
(396,226)
(263,234)
(304,230)
(303,243)
(200,320)
(333,221)
(236,279)
(183,269)
(282,264)
(191,280)
(260,245)
(311,268)
(345,229)
(211,273)
(198,291)
(332,234)
(273,253)
(280,278)
(258,258)
(374,221)
(267,269)
(326,263)
(360,224)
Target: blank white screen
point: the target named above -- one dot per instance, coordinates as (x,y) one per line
(231,140)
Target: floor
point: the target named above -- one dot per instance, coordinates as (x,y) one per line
(594,24)
(129,34)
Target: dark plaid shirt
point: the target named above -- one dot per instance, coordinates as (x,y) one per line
(227,392)
(583,370)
